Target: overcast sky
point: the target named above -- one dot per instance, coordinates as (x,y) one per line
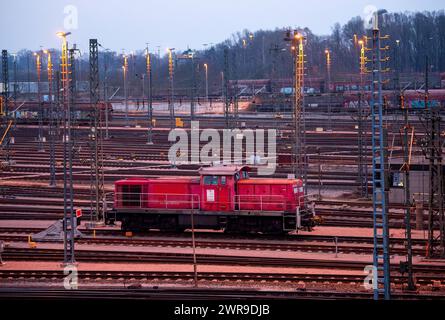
(130,24)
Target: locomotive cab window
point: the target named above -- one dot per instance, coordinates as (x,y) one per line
(245,175)
(131,196)
(211,180)
(223,181)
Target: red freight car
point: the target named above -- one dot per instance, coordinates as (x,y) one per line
(223,197)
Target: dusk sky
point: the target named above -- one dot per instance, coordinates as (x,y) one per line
(176,23)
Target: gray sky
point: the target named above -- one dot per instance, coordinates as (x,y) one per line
(130,24)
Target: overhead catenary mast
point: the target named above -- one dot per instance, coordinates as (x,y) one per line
(97,204)
(171,92)
(299,163)
(381,255)
(150,98)
(5,138)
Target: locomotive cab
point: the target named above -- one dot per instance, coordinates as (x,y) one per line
(219,187)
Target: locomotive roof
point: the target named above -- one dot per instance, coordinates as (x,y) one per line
(222,170)
(270,181)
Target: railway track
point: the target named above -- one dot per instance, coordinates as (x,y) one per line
(165,277)
(253,246)
(31,209)
(97,256)
(288,239)
(190,294)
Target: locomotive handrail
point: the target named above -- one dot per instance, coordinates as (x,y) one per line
(142,200)
(280,201)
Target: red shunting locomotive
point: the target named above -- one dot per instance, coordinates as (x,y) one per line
(222,198)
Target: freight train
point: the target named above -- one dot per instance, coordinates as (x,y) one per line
(412,99)
(81,112)
(221,198)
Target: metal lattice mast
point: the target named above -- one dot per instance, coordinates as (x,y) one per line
(299,148)
(16,84)
(125,70)
(362,152)
(71,221)
(275,49)
(105,87)
(150,99)
(302,111)
(436,218)
(171,93)
(66,67)
(194,89)
(407,147)
(226,89)
(97,186)
(235,96)
(328,71)
(190,55)
(38,56)
(408,204)
(52,133)
(381,258)
(58,105)
(6,122)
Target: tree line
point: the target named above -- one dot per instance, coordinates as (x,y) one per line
(265,55)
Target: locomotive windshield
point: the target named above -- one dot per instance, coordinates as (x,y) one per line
(211,180)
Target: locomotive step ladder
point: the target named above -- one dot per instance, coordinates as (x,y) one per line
(222,221)
(292,221)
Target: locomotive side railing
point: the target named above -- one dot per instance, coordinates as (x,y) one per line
(158,200)
(265,202)
(171,201)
